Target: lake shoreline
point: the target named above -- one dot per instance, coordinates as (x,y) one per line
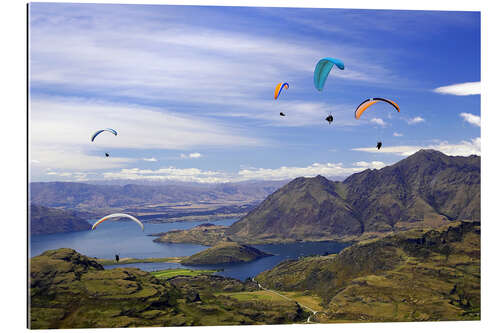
(111,262)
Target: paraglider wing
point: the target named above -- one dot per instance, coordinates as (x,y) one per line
(323,68)
(279,88)
(110,130)
(117,215)
(369,102)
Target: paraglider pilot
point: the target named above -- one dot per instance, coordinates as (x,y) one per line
(106,154)
(282,114)
(329,119)
(379,145)
(117,257)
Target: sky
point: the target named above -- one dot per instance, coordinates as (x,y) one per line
(189,89)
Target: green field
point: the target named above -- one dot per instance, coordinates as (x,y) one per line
(260,295)
(170,273)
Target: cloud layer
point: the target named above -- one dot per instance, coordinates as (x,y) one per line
(471,118)
(460,89)
(212,176)
(464,148)
(415,120)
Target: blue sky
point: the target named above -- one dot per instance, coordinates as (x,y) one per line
(190,90)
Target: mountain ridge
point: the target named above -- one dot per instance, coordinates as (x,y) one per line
(428,188)
(44,220)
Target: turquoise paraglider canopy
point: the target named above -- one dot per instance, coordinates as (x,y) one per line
(323,68)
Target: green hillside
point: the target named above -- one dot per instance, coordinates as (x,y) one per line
(70,290)
(225,253)
(412,275)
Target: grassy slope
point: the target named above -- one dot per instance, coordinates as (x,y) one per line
(415,275)
(204,235)
(224,252)
(69,290)
(170,273)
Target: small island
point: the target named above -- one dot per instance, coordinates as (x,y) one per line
(206,234)
(226,252)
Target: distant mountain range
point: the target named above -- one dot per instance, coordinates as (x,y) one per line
(90,197)
(45,220)
(428,188)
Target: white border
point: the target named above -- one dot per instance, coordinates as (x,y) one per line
(13,162)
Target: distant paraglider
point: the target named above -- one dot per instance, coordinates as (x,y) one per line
(279,88)
(379,145)
(110,130)
(118,215)
(369,102)
(106,154)
(282,114)
(329,119)
(323,68)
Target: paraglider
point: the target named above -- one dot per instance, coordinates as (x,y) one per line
(106,154)
(369,102)
(282,114)
(379,145)
(116,215)
(329,119)
(279,88)
(117,257)
(323,68)
(110,130)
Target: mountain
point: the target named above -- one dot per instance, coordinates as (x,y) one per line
(45,220)
(427,188)
(225,253)
(304,208)
(82,196)
(428,274)
(424,185)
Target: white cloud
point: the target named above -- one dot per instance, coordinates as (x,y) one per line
(152,159)
(370,165)
(191,155)
(69,122)
(378,121)
(464,148)
(415,120)
(286,172)
(164,59)
(60,158)
(397,134)
(170,173)
(471,118)
(75,176)
(35,161)
(460,89)
(247,173)
(298,112)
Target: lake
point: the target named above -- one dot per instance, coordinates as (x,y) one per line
(127,239)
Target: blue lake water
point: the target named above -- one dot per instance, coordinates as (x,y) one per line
(128,240)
